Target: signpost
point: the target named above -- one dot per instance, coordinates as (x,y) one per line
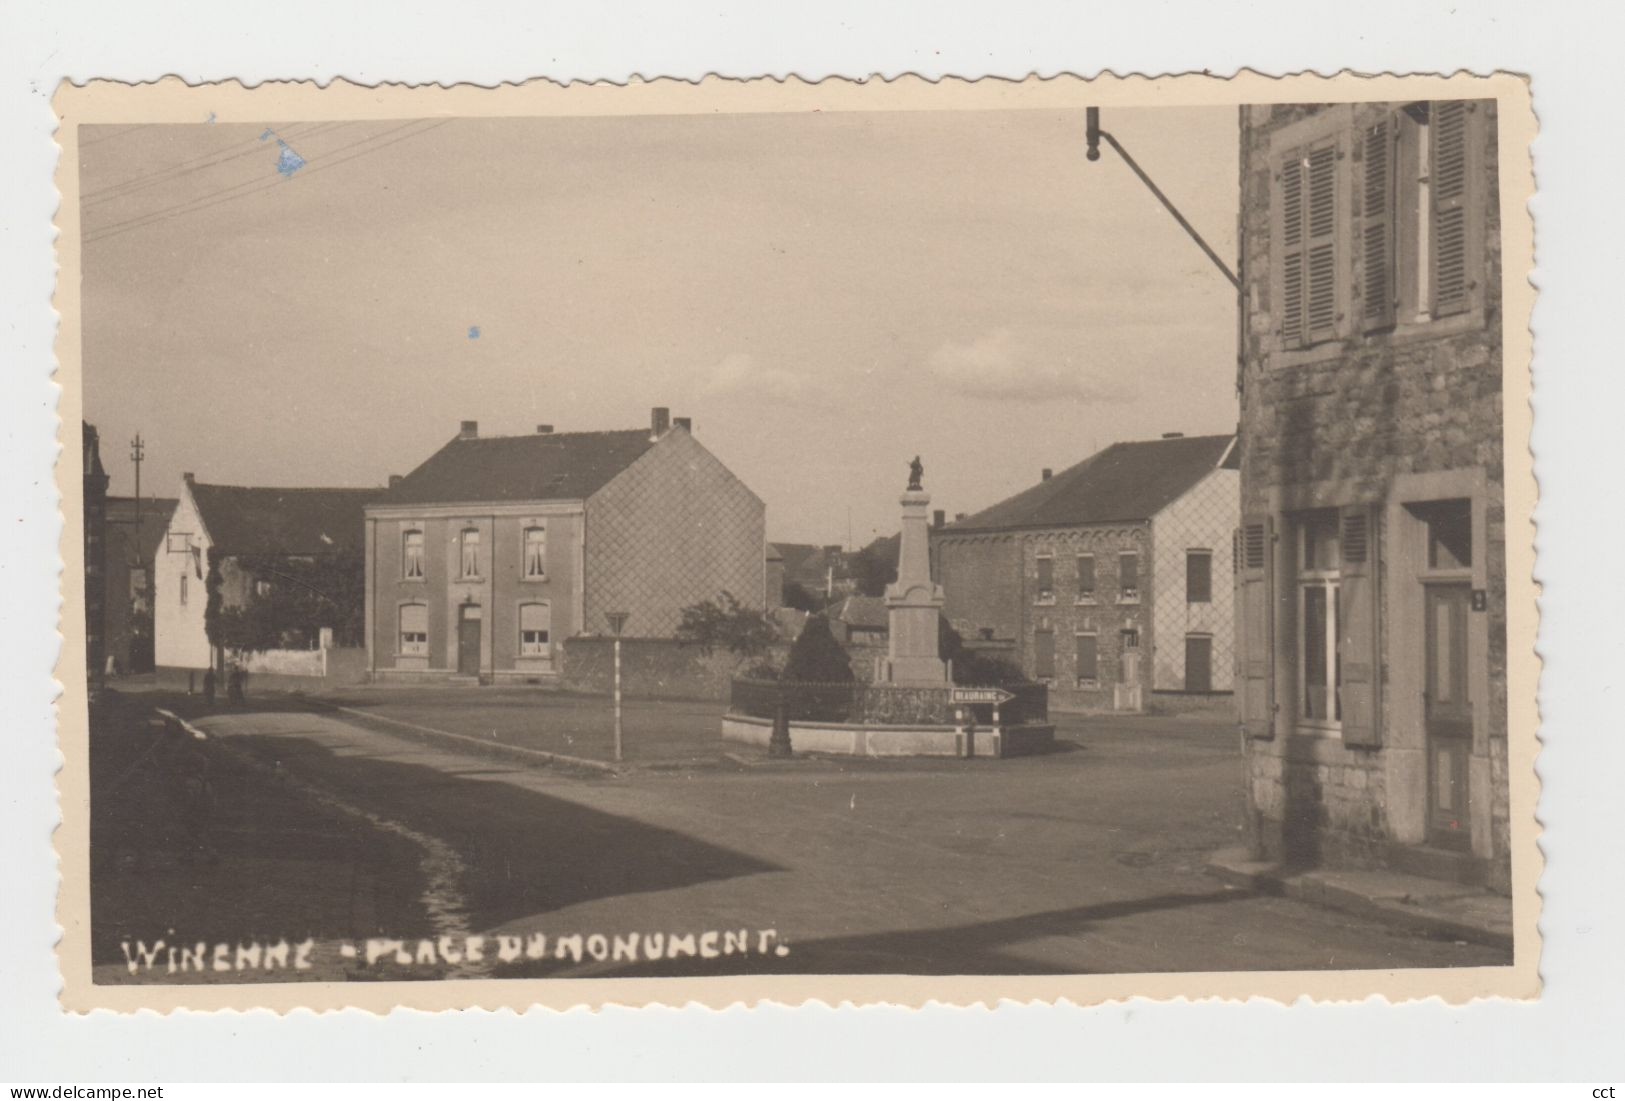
(965,719)
(617,623)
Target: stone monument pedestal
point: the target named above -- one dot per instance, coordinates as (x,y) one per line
(914,605)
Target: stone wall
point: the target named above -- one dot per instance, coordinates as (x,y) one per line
(1379,417)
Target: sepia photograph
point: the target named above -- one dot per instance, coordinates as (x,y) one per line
(773,534)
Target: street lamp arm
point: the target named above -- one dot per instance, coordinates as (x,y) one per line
(1095,136)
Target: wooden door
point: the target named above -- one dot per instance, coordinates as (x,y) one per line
(1448,713)
(468,641)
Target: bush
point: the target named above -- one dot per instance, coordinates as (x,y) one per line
(816,656)
(726,623)
(973,668)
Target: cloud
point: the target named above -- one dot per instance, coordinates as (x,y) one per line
(738,373)
(995,366)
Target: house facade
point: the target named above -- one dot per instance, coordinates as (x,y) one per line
(285,566)
(134,537)
(94,547)
(1102,580)
(1371,589)
(493,552)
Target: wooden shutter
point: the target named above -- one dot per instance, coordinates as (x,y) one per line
(1320,244)
(1255,626)
(1357,628)
(1377,290)
(1292,332)
(1450,180)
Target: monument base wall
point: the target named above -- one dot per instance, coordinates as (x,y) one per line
(851,740)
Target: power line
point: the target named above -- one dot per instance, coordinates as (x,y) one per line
(203,202)
(187,167)
(116,134)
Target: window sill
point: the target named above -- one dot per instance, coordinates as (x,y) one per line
(414,581)
(537,580)
(1332,731)
(1045,602)
(1128,600)
(1085,602)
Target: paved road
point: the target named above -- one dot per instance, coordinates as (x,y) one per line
(1088,860)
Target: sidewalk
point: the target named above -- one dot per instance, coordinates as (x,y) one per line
(1432,907)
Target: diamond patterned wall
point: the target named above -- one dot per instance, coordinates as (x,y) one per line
(674,528)
(1203,519)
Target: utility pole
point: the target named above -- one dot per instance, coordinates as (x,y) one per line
(617,624)
(138,451)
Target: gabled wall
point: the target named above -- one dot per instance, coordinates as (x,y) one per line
(179,638)
(673,529)
(1203,518)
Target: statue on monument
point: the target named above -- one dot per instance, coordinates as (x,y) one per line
(916,471)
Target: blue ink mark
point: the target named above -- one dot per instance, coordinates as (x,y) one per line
(211,116)
(288,162)
(473,332)
(268,133)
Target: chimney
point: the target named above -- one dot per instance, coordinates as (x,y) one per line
(958,516)
(187,477)
(394,480)
(544,429)
(685,423)
(469,431)
(939,517)
(659,421)
(1047,475)
(1173,435)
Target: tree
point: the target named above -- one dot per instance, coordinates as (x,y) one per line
(875,566)
(724,622)
(970,667)
(798,596)
(816,656)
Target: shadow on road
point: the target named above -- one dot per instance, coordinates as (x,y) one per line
(522,852)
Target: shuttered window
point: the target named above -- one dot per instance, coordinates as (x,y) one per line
(1128,577)
(1044,645)
(1046,579)
(1450,161)
(1086,577)
(1308,232)
(1378,292)
(1088,659)
(1255,626)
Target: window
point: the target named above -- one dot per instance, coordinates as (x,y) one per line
(1046,579)
(468,553)
(1130,637)
(535,552)
(1319,660)
(535,627)
(414,629)
(1308,230)
(1449,535)
(1128,577)
(1086,578)
(184,580)
(1088,659)
(1198,577)
(1419,183)
(262,588)
(412,556)
(138,581)
(178,542)
(1044,645)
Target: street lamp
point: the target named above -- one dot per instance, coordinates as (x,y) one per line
(617,623)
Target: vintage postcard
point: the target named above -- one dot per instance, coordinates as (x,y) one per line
(739,541)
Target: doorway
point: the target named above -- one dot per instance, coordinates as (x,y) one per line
(468,640)
(1447,713)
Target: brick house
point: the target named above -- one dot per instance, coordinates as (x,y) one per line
(1099,580)
(257,544)
(1371,654)
(493,552)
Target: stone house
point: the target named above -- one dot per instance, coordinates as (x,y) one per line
(1371,653)
(258,546)
(484,560)
(1101,580)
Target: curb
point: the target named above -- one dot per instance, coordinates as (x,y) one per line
(1267,879)
(464,741)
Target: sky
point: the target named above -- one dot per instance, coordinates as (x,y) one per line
(825,294)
